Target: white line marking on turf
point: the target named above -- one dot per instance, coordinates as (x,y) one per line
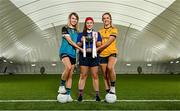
(173,100)
(14,101)
(27,101)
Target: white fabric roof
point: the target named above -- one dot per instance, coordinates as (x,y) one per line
(27,33)
(139,13)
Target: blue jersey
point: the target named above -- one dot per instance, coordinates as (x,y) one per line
(89,39)
(65,47)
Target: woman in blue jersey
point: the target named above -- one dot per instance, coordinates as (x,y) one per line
(89,40)
(67,53)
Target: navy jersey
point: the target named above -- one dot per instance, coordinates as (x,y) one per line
(89,39)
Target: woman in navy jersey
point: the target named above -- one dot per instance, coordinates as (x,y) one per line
(89,40)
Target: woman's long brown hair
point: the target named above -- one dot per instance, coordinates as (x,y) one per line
(107,13)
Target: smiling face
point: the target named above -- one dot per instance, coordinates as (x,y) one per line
(89,24)
(106,20)
(73,20)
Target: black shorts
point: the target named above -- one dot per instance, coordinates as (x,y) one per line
(104,60)
(88,60)
(72,60)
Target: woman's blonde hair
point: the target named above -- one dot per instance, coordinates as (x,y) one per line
(77,17)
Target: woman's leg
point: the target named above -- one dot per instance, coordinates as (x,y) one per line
(111,71)
(95,78)
(69,81)
(105,77)
(69,84)
(82,80)
(68,67)
(94,72)
(67,70)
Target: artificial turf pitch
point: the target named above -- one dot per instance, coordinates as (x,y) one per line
(128,87)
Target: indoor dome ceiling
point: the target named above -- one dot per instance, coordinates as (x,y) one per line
(138,13)
(30,30)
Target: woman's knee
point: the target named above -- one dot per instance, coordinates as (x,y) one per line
(83,76)
(110,67)
(95,76)
(68,67)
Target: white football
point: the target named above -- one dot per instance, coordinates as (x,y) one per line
(110,98)
(62,98)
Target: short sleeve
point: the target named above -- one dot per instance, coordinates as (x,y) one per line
(99,37)
(114,32)
(65,31)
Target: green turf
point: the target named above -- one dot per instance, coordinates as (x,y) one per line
(18,87)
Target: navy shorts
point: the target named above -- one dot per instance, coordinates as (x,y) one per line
(72,60)
(104,60)
(88,60)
